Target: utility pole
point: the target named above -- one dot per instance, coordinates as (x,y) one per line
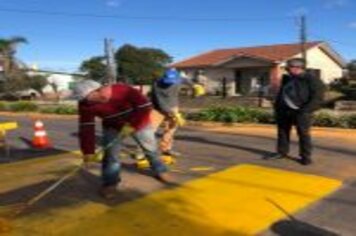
(303,38)
(110,62)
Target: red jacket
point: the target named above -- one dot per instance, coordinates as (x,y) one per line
(127,105)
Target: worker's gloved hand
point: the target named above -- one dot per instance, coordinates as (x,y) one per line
(179,119)
(127,130)
(199,90)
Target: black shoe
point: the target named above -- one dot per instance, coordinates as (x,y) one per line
(305,161)
(275,156)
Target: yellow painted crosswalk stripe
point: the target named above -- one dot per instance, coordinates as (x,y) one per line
(238,201)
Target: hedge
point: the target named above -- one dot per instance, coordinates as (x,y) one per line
(18,106)
(61,110)
(253,115)
(25,106)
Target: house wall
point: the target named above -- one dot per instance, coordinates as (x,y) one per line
(318,59)
(252,68)
(250,78)
(214,78)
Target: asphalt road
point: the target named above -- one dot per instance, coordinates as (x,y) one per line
(217,151)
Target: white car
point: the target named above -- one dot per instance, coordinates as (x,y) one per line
(27,94)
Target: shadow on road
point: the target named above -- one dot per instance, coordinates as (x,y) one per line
(257,151)
(22,154)
(294,227)
(298,228)
(82,187)
(329,148)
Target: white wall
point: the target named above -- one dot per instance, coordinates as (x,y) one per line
(318,59)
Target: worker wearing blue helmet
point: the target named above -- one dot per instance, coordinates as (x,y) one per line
(165,99)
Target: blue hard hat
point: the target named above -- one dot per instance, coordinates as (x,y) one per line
(170,77)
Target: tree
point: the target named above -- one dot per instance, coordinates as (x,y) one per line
(138,65)
(352,69)
(8,48)
(37,82)
(14,79)
(95,68)
(141,65)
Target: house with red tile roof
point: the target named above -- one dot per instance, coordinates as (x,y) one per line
(250,70)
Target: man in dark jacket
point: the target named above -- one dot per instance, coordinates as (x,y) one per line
(299,96)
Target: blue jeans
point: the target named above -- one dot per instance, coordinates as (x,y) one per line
(145,138)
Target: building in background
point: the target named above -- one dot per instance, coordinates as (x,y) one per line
(251,71)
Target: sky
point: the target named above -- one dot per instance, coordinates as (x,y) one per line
(62,34)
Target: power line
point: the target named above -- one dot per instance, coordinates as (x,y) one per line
(127,17)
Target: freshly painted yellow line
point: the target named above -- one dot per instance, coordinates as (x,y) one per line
(202,168)
(8,125)
(242,200)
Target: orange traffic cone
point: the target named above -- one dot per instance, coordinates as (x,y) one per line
(40,139)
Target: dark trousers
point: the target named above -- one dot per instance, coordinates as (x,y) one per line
(286,118)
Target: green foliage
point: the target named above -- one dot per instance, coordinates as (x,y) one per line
(8,45)
(22,106)
(252,115)
(8,48)
(60,110)
(25,106)
(141,65)
(37,82)
(15,81)
(136,65)
(351,121)
(325,119)
(95,68)
(234,115)
(3,106)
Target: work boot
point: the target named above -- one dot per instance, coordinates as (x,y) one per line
(275,156)
(305,161)
(108,192)
(165,177)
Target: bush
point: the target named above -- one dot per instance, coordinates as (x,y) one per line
(265,117)
(349,121)
(60,110)
(233,115)
(3,106)
(22,106)
(251,115)
(325,119)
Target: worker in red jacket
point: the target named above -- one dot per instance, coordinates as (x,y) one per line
(120,107)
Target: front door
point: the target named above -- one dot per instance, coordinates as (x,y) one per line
(238,81)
